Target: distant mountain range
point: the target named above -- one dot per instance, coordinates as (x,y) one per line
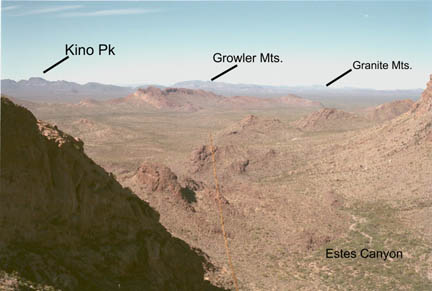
(334,97)
(39,89)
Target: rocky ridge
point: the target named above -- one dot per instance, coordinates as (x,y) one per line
(388,111)
(68,224)
(177,99)
(325,119)
(413,127)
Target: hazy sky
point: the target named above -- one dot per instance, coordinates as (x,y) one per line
(167,42)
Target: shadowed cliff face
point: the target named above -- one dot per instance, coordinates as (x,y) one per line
(66,223)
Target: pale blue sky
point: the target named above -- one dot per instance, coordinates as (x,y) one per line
(167,42)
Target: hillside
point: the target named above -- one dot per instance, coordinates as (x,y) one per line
(288,194)
(389,110)
(253,123)
(329,119)
(67,224)
(404,133)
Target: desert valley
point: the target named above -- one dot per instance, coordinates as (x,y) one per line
(125,193)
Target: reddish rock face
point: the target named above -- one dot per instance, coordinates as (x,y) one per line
(177,99)
(193,185)
(200,157)
(157,177)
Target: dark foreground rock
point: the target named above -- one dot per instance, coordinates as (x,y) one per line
(67,224)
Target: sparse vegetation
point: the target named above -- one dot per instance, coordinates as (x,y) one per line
(290,194)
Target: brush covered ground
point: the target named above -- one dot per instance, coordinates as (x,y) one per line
(295,181)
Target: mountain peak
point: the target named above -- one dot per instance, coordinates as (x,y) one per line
(35,81)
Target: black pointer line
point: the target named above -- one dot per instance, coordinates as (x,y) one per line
(224,72)
(56,64)
(331,82)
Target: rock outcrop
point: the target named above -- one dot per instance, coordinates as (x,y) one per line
(157,177)
(68,224)
(171,99)
(326,119)
(253,123)
(230,160)
(201,157)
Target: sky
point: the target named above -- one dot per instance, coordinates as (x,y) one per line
(168,42)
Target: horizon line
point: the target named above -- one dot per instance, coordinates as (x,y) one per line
(134,85)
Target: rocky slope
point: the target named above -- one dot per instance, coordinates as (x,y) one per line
(424,105)
(389,110)
(68,224)
(235,159)
(252,124)
(327,119)
(410,129)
